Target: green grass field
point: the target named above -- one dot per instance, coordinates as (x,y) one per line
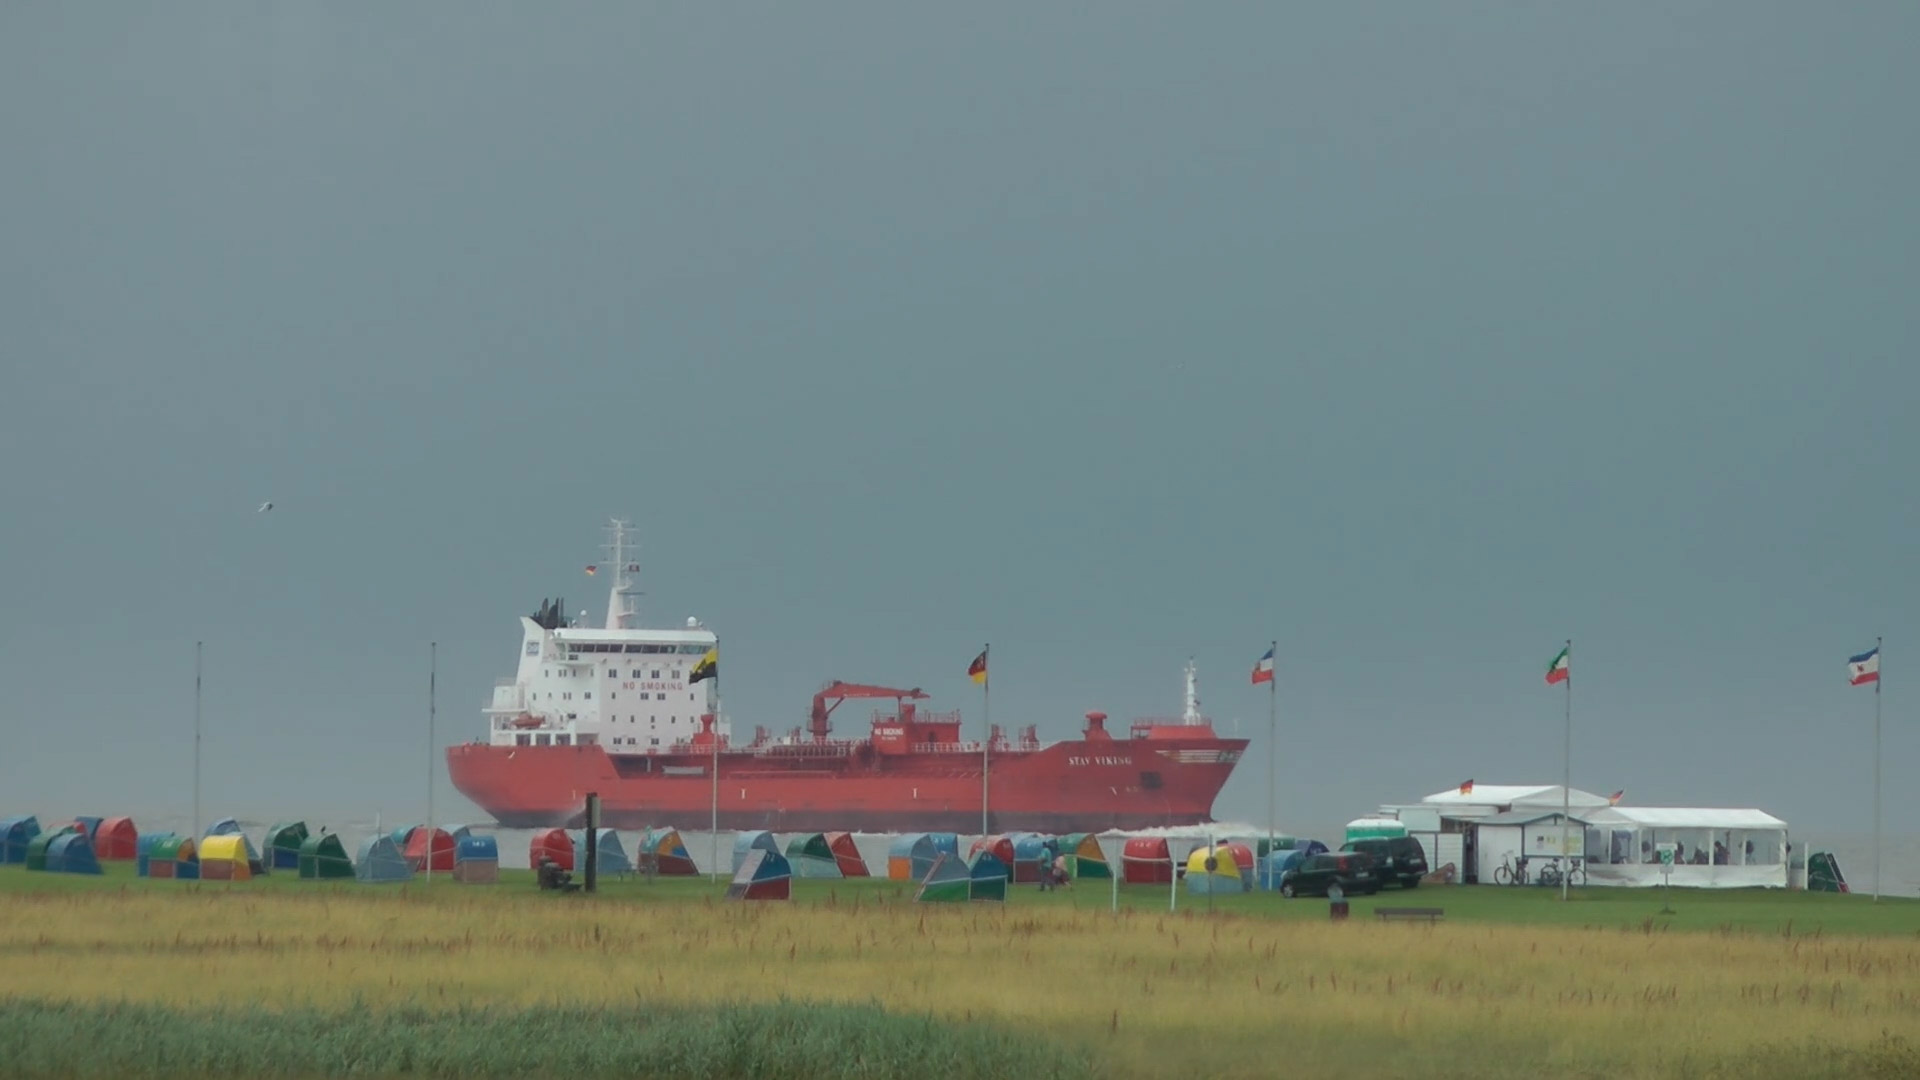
(1513,983)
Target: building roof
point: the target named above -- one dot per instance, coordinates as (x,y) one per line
(1543,795)
(1687,817)
(1531,815)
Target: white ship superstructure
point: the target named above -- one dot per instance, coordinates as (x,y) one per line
(620,686)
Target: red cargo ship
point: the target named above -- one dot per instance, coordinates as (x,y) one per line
(619,710)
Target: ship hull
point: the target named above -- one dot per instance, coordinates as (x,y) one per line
(1067,787)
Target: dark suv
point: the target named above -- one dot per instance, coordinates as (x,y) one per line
(1353,870)
(1397,858)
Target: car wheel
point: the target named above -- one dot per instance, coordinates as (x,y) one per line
(1286,890)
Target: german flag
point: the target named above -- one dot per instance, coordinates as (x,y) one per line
(707,668)
(977,671)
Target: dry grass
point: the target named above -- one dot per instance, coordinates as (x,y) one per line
(1226,996)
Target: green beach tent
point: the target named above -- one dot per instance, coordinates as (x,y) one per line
(323,857)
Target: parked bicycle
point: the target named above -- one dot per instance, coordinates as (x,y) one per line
(1511,872)
(1575,872)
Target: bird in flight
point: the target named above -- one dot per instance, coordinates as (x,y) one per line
(264,507)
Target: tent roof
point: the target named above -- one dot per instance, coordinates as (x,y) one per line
(1544,795)
(1684,817)
(228,846)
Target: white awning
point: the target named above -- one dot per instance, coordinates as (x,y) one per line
(1686,817)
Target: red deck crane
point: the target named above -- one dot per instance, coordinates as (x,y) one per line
(836,692)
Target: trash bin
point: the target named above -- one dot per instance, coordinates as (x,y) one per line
(1336,902)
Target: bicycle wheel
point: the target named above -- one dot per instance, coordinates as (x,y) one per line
(1503,876)
(1550,876)
(1577,875)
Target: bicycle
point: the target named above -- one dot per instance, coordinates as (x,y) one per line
(1510,872)
(1575,872)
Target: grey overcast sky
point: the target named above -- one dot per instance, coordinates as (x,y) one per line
(1419,337)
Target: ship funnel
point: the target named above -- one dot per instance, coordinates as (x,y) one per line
(1096,727)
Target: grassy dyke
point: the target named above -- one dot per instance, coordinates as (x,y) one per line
(781,1041)
(1140,994)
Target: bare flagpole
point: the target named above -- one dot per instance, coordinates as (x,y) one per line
(1566,783)
(713,826)
(433,678)
(1273,736)
(195,830)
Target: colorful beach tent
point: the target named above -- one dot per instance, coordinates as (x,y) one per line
(87,826)
(415,849)
(763,875)
(1030,857)
(851,862)
(476,860)
(952,881)
(175,857)
(945,841)
(669,852)
(751,841)
(15,834)
(551,844)
(283,845)
(37,847)
(1242,858)
(144,851)
(909,857)
(1146,860)
(72,854)
(1212,870)
(116,839)
(381,862)
(1085,859)
(613,854)
(323,858)
(224,858)
(1823,874)
(1272,867)
(230,827)
(812,858)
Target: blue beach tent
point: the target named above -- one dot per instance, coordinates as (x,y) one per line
(613,854)
(72,854)
(15,834)
(381,862)
(753,841)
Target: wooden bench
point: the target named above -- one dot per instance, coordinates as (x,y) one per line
(1388,914)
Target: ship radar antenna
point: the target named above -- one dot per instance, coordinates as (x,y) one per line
(621,550)
(1191,714)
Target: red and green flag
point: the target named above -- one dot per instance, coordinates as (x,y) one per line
(1561,668)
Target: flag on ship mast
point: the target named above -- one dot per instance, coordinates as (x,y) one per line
(1561,668)
(1263,670)
(707,668)
(977,671)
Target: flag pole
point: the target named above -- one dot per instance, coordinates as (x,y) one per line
(986,744)
(1876,769)
(713,827)
(194,831)
(1273,728)
(1566,783)
(433,677)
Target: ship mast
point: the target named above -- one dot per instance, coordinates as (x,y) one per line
(621,612)
(1190,715)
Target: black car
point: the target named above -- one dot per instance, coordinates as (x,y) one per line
(1353,870)
(1397,859)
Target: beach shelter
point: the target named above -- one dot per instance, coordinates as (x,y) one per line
(381,862)
(751,841)
(909,857)
(1823,874)
(415,849)
(1212,870)
(15,834)
(613,854)
(1030,857)
(1146,860)
(812,858)
(952,881)
(551,844)
(230,827)
(283,845)
(1242,858)
(116,839)
(323,858)
(143,855)
(1085,859)
(176,857)
(224,858)
(851,862)
(763,875)
(1271,867)
(87,826)
(476,860)
(945,841)
(37,847)
(669,852)
(72,854)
